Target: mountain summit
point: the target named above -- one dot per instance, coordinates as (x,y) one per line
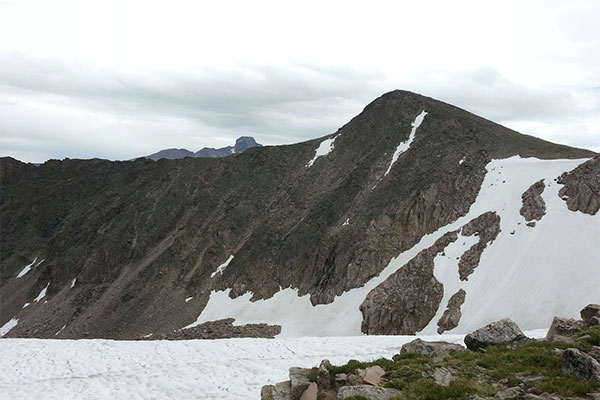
(242,144)
(415,216)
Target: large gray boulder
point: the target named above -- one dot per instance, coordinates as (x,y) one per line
(430,349)
(580,365)
(370,392)
(505,330)
(298,380)
(591,314)
(279,391)
(563,327)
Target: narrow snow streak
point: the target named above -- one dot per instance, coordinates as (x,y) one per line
(189,298)
(73,283)
(60,330)
(8,326)
(324,148)
(26,269)
(518,276)
(402,147)
(42,293)
(221,268)
(26,305)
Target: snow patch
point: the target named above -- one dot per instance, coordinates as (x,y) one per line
(462,160)
(73,283)
(402,147)
(42,293)
(346,222)
(26,305)
(529,276)
(189,298)
(26,269)
(148,335)
(324,148)
(221,267)
(8,326)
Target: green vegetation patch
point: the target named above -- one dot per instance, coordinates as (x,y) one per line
(536,364)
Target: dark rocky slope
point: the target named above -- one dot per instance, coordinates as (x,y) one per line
(137,238)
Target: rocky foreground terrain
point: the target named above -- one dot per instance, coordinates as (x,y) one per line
(499,362)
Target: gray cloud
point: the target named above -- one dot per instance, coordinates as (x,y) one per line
(57,109)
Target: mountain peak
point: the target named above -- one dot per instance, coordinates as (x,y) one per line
(242,144)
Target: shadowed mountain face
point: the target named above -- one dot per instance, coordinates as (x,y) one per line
(242,144)
(124,243)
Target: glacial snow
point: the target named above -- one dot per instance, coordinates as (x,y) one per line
(530,276)
(324,148)
(4,329)
(26,269)
(42,293)
(402,147)
(229,369)
(221,268)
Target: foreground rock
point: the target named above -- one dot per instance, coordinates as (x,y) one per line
(370,392)
(591,314)
(497,332)
(435,350)
(580,365)
(563,327)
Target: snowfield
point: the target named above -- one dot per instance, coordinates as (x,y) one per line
(191,369)
(527,274)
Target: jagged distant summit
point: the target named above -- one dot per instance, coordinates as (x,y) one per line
(242,144)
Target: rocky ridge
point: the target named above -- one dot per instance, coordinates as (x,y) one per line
(242,144)
(499,363)
(120,246)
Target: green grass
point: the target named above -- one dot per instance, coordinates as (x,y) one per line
(459,389)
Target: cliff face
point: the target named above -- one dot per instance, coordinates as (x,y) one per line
(133,247)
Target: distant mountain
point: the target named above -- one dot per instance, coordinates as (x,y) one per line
(414,217)
(242,144)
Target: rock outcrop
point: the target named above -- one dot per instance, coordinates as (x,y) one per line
(435,350)
(366,391)
(591,314)
(563,327)
(451,317)
(486,227)
(220,329)
(580,365)
(406,301)
(497,332)
(581,188)
(534,207)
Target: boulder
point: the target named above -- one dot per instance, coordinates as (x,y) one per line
(370,392)
(580,365)
(310,393)
(563,327)
(497,332)
(298,380)
(279,391)
(515,393)
(443,376)
(595,353)
(373,375)
(324,376)
(430,349)
(591,314)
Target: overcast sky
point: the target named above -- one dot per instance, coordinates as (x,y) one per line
(121,79)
